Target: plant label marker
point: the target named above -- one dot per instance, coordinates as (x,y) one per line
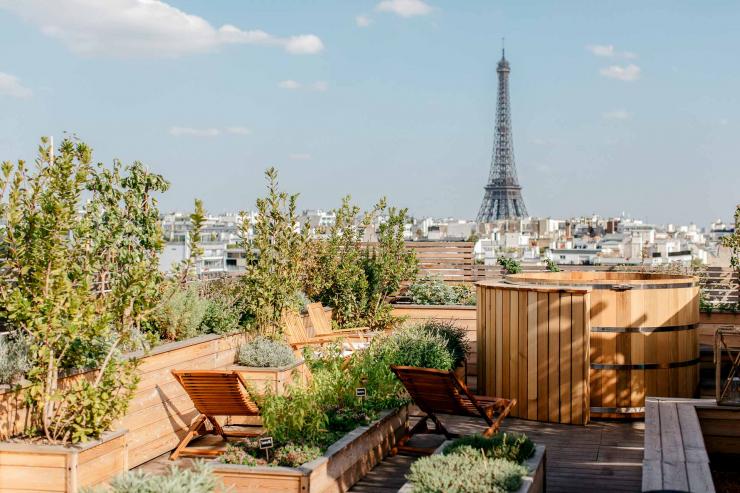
(361,393)
(266,444)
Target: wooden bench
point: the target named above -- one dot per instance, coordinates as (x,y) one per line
(675,455)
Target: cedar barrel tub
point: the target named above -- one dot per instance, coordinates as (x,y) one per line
(600,342)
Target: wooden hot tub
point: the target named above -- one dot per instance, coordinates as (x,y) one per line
(640,339)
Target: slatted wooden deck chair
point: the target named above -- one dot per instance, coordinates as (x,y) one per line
(214,393)
(356,337)
(296,334)
(441,392)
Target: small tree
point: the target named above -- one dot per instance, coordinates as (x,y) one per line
(275,256)
(76,276)
(387,265)
(733,243)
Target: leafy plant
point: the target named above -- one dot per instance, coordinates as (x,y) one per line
(14,358)
(510,265)
(455,337)
(510,446)
(275,255)
(265,353)
(199,479)
(180,312)
(77,272)
(465,473)
(434,291)
(240,455)
(733,243)
(294,455)
(296,416)
(387,265)
(219,318)
(551,266)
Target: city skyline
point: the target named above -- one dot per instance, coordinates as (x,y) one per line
(629,110)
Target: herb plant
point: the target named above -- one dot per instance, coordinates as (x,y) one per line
(265,353)
(472,472)
(511,446)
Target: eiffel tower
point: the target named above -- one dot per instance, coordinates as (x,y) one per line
(503,195)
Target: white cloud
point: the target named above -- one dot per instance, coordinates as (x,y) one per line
(300,156)
(617,115)
(147,28)
(11,86)
(194,132)
(363,21)
(291,85)
(238,130)
(627,73)
(405,8)
(609,51)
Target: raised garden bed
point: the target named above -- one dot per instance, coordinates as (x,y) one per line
(57,468)
(532,483)
(342,465)
(273,380)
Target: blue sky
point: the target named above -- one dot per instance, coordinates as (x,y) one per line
(617,106)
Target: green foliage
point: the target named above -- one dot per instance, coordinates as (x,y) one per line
(733,243)
(510,446)
(455,337)
(293,455)
(471,472)
(551,266)
(434,291)
(356,280)
(219,318)
(295,416)
(265,353)
(510,265)
(14,358)
(180,312)
(413,346)
(334,273)
(275,254)
(199,479)
(387,265)
(80,254)
(240,455)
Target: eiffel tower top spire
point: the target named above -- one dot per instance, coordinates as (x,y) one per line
(503,195)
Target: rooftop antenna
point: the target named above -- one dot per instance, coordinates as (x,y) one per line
(503,47)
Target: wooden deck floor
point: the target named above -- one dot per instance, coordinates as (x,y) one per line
(604,456)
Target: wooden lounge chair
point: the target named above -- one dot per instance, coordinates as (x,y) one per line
(356,336)
(298,338)
(441,392)
(214,393)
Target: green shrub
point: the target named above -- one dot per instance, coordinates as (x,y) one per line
(551,266)
(434,291)
(180,313)
(510,265)
(294,455)
(199,479)
(456,338)
(14,361)
(238,454)
(219,318)
(510,446)
(465,473)
(415,346)
(296,416)
(262,352)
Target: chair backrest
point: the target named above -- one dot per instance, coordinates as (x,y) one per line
(217,392)
(320,322)
(437,391)
(295,332)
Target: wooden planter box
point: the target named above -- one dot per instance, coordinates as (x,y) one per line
(342,465)
(273,379)
(532,483)
(56,468)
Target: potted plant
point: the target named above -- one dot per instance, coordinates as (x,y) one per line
(79,279)
(269,365)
